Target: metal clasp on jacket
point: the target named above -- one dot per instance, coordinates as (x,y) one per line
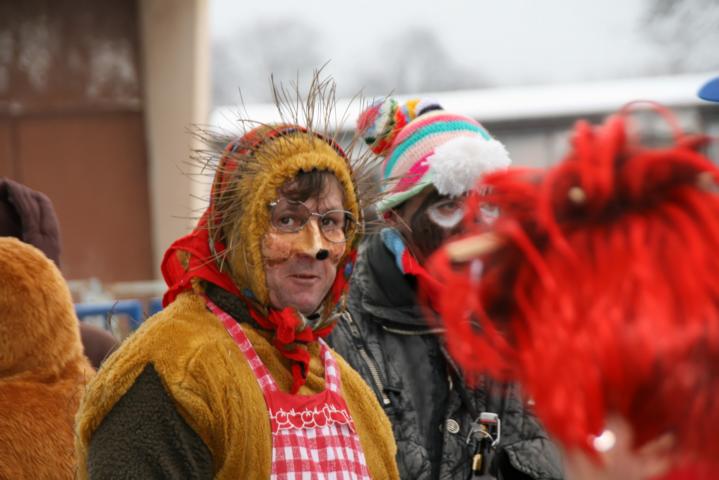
(487,428)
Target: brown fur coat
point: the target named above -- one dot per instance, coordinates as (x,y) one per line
(42,368)
(215,390)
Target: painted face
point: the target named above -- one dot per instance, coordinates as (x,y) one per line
(300,266)
(427,220)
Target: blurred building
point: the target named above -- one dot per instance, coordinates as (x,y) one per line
(96,99)
(95,103)
(534,121)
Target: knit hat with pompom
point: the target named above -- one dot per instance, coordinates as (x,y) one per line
(424,145)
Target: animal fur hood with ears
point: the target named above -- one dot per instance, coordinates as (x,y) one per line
(225,248)
(247,172)
(42,368)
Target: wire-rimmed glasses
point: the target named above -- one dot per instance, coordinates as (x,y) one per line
(289,216)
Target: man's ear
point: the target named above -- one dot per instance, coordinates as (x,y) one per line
(391,218)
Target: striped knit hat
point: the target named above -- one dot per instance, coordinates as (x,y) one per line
(424,145)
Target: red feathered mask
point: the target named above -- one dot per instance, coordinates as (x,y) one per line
(598,289)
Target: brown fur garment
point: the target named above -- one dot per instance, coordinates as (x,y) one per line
(215,390)
(42,368)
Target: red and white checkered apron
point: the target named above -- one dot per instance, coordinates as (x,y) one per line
(313,436)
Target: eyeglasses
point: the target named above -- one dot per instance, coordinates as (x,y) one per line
(288,216)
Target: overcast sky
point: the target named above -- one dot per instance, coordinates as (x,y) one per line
(510,41)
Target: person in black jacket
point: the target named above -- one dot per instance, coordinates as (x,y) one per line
(444,428)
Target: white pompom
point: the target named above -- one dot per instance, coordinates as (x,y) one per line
(455,166)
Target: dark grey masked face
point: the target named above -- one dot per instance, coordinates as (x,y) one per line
(429,220)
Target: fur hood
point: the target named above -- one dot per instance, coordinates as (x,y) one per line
(38,327)
(43,371)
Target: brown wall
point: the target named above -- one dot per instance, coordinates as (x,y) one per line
(71,126)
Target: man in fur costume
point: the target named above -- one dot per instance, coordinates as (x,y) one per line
(598,288)
(232,379)
(433,158)
(43,371)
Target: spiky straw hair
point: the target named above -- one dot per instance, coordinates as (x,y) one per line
(248,172)
(598,288)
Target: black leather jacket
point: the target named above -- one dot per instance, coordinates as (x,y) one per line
(433,411)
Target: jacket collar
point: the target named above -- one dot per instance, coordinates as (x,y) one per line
(383,289)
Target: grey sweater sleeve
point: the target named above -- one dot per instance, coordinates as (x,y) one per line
(144,436)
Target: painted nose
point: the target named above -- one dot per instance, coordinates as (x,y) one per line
(312,243)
